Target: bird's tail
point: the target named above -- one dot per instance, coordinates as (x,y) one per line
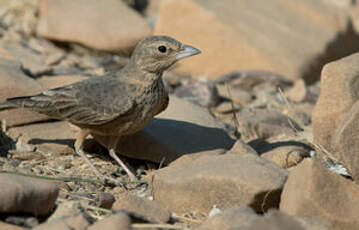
(12,103)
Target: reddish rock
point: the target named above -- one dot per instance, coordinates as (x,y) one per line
(27,195)
(221,180)
(313,191)
(275,35)
(345,142)
(339,91)
(182,129)
(108,25)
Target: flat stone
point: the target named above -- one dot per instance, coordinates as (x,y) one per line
(98,24)
(15,83)
(276,35)
(28,195)
(182,129)
(323,194)
(52,137)
(224,187)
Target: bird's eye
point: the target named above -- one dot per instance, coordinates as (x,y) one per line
(162,49)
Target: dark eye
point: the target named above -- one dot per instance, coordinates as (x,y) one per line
(162,49)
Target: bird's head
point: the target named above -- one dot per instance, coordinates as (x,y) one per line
(157,53)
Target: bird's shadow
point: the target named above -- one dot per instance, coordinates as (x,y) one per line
(163,139)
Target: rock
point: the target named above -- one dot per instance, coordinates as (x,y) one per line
(113,222)
(5,226)
(78,222)
(105,200)
(32,62)
(108,25)
(240,147)
(311,224)
(143,207)
(27,195)
(300,93)
(324,195)
(247,80)
(216,185)
(53,137)
(240,97)
(54,225)
(16,83)
(275,220)
(345,143)
(70,214)
(339,87)
(287,156)
(232,218)
(183,128)
(201,93)
(227,107)
(245,219)
(264,123)
(19,16)
(300,112)
(264,35)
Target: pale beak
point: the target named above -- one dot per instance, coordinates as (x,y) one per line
(187,51)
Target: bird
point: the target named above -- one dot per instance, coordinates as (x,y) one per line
(116,104)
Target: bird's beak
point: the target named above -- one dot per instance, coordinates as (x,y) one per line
(187,51)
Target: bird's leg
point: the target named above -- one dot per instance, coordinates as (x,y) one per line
(79,150)
(119,161)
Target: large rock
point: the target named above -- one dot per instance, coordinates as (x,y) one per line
(345,141)
(314,191)
(108,25)
(276,35)
(27,195)
(183,128)
(222,180)
(15,83)
(339,91)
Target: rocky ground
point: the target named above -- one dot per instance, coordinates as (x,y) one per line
(260,133)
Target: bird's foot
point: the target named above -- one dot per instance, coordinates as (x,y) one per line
(132,176)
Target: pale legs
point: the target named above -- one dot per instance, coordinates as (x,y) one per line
(114,156)
(79,150)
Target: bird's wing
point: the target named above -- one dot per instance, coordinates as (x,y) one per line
(94,101)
